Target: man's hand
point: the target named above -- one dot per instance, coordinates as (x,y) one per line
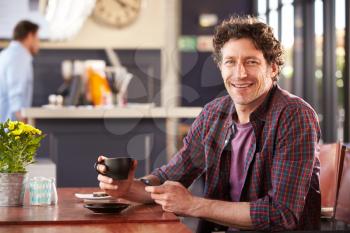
(115,188)
(173,197)
(19,117)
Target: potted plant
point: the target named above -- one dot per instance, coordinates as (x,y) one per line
(18,145)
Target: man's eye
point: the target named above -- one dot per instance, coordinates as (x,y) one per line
(252,62)
(228,62)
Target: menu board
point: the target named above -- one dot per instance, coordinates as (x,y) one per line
(11,12)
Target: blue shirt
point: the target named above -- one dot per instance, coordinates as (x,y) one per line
(16,80)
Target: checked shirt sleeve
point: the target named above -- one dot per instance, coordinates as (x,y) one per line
(188,163)
(292,166)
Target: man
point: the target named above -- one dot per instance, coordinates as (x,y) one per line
(256,148)
(16,71)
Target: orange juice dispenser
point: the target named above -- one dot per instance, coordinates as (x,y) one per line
(99,91)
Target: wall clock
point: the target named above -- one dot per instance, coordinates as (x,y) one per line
(117,13)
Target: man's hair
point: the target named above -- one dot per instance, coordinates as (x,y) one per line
(237,27)
(23,28)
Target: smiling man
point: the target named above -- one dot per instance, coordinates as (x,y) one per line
(256,147)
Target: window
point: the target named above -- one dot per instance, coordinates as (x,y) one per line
(340,62)
(318,12)
(262,10)
(313,36)
(280,16)
(287,39)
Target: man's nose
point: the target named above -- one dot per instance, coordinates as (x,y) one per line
(240,71)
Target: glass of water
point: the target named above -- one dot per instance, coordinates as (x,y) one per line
(42,191)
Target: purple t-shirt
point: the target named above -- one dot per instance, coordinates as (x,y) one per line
(244,134)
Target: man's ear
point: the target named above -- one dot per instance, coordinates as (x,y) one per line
(274,69)
(29,37)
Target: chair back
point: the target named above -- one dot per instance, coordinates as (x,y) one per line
(342,211)
(331,157)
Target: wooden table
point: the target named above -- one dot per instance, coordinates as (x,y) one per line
(70,216)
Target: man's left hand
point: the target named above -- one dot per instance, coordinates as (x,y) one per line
(173,197)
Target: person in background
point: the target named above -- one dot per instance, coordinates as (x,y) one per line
(256,148)
(16,71)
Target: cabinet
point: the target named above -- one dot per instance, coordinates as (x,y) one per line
(74,145)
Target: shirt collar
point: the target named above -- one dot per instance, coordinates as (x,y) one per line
(18,45)
(261,111)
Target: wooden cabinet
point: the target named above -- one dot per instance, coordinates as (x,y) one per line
(75,144)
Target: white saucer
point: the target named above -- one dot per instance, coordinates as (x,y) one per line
(89,196)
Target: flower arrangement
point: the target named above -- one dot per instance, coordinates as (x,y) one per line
(18,145)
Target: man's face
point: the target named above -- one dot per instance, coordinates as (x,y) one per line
(246,73)
(33,42)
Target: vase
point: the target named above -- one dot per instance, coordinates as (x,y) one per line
(12,188)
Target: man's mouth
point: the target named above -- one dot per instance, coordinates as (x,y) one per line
(241,85)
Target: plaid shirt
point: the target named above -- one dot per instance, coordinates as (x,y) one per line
(282,166)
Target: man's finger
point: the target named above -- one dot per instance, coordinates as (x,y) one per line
(162,203)
(155,189)
(104,179)
(101,168)
(159,197)
(101,158)
(106,186)
(170,182)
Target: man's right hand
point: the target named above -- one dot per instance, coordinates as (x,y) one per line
(19,117)
(115,188)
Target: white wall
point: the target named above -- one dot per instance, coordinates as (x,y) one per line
(147,32)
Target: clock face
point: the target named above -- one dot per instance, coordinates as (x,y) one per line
(118,13)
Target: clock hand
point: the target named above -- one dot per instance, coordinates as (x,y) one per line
(125,5)
(121,3)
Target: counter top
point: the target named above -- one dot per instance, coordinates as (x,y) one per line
(118,112)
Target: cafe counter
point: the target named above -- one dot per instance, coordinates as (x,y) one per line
(110,113)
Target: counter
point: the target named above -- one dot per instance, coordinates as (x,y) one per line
(127,112)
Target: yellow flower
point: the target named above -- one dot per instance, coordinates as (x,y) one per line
(17,128)
(12,125)
(27,128)
(37,131)
(17,132)
(30,129)
(17,137)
